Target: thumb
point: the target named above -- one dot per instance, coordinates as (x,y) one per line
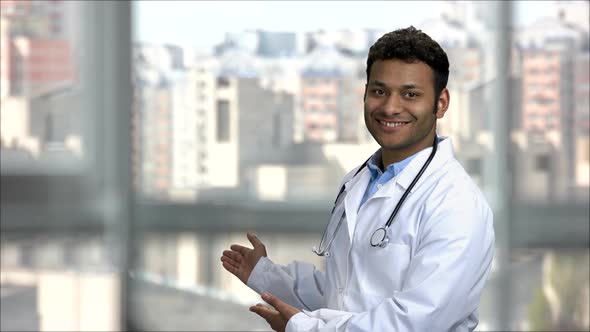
(254,240)
(283,308)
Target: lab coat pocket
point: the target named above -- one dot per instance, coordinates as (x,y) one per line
(386,269)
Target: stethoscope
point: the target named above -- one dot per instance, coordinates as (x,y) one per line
(379,238)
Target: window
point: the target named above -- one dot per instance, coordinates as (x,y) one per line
(276,128)
(222,82)
(223,121)
(75,91)
(542,163)
(66,201)
(541,100)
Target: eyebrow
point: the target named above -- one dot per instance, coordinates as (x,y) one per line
(377,83)
(404,86)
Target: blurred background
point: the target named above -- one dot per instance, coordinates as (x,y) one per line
(140,139)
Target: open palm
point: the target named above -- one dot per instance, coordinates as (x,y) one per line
(240,261)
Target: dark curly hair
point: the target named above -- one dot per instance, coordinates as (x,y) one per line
(412,45)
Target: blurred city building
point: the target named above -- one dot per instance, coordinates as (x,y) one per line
(329,89)
(553,54)
(153,128)
(38,84)
(262,93)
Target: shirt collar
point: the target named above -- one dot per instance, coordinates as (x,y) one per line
(393,169)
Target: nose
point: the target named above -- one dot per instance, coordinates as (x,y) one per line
(392,104)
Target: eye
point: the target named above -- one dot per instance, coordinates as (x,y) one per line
(412,94)
(379,92)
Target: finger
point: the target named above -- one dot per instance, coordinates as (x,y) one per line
(263,311)
(230,262)
(240,249)
(254,240)
(230,268)
(279,305)
(232,255)
(270,299)
(267,307)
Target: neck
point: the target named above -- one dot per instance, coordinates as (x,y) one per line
(389,157)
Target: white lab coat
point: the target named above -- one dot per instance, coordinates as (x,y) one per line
(430,276)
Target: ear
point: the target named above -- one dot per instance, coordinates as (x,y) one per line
(442,103)
(365,94)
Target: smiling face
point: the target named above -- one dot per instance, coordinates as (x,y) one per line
(400,109)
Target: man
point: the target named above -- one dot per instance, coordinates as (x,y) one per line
(429,273)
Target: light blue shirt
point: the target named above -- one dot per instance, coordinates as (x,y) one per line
(378,177)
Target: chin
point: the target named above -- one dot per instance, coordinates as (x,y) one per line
(394,146)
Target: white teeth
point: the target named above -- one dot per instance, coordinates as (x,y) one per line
(393,124)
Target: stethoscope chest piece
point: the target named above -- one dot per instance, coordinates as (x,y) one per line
(380,238)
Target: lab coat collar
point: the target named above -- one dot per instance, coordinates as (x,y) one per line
(364,176)
(444,152)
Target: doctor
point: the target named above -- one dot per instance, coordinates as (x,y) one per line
(422,270)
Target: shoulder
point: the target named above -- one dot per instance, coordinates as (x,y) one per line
(455,199)
(452,179)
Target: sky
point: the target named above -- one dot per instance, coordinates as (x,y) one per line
(203,24)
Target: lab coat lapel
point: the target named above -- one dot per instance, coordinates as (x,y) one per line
(355,189)
(400,183)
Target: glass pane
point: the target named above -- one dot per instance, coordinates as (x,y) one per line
(60,251)
(249,122)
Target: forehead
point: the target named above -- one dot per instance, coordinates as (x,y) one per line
(397,72)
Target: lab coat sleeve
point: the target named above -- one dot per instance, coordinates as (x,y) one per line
(298,284)
(444,280)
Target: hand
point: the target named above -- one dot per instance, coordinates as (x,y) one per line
(277,319)
(240,261)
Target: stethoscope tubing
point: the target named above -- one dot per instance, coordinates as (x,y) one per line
(411,186)
(385,239)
